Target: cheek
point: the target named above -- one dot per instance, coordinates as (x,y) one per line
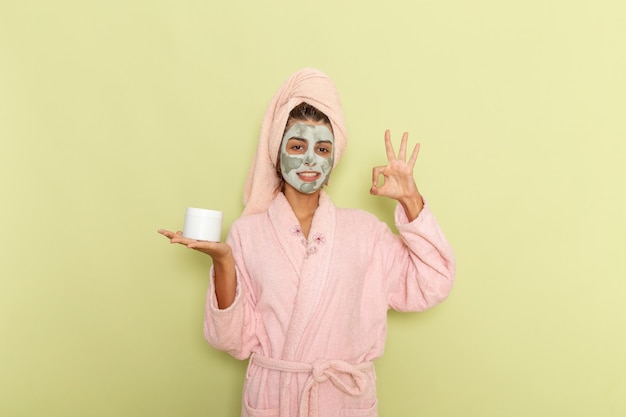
(327,164)
(290,162)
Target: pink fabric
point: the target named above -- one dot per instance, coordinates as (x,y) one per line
(323,300)
(350,379)
(307,85)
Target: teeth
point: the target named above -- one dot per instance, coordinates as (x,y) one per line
(308,174)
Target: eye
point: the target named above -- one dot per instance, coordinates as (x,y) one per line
(323,149)
(296,146)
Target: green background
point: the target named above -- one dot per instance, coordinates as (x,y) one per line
(116,115)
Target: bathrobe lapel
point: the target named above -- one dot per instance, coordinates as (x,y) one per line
(311,260)
(288,232)
(313,276)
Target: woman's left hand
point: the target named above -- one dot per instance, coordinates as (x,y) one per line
(398,182)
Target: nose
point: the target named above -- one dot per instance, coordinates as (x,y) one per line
(309,159)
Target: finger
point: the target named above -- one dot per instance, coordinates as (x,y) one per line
(402,153)
(391,155)
(376,173)
(204,246)
(176,234)
(199,245)
(179,238)
(166,233)
(416,151)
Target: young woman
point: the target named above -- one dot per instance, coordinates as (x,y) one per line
(301,288)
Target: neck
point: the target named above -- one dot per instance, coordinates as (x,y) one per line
(303,206)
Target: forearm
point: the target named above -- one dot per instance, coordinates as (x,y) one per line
(225,279)
(412,205)
(431,266)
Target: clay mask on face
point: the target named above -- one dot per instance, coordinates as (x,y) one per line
(307,168)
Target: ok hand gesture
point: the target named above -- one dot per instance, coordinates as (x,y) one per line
(398,182)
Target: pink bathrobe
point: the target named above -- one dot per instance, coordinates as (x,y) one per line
(312,314)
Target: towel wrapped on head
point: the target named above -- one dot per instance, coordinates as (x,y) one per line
(307,85)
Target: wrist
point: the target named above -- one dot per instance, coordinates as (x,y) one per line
(412,206)
(224,258)
(222,253)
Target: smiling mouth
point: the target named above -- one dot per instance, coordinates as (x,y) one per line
(309,176)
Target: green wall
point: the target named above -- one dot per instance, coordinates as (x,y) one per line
(116,115)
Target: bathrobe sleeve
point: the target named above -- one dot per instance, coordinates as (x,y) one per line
(420,273)
(231,329)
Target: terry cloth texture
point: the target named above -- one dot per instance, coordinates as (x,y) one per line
(306,85)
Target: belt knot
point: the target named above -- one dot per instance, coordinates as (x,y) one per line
(352,379)
(320,371)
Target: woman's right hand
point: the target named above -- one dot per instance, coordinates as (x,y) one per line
(223,264)
(216,250)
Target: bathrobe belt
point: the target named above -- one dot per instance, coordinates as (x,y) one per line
(350,379)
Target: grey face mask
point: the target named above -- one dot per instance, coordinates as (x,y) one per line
(307,156)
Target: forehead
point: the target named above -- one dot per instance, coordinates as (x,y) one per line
(316,132)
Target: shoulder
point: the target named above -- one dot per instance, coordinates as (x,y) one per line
(357,214)
(249,218)
(359,220)
(249,221)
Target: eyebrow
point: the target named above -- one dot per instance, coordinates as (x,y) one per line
(306,140)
